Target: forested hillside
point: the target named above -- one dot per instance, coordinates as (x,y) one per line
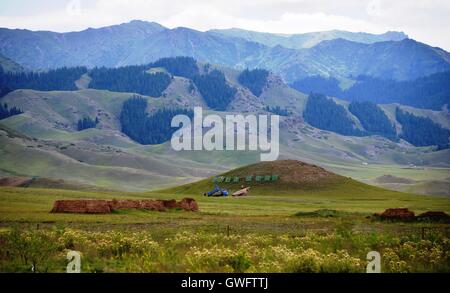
(62,79)
(215,90)
(145,129)
(421,131)
(179,66)
(320,112)
(430,92)
(373,119)
(6,112)
(324,113)
(131,79)
(255,80)
(319,84)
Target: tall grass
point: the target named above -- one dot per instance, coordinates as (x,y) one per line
(44,250)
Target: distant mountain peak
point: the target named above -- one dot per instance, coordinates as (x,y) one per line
(141,23)
(184,29)
(308,40)
(138,21)
(399,34)
(339,42)
(134,25)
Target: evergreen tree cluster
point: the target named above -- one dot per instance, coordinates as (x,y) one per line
(179,66)
(62,79)
(130,79)
(430,92)
(215,90)
(4,90)
(373,119)
(324,113)
(318,84)
(421,131)
(5,112)
(277,110)
(87,123)
(212,85)
(255,80)
(145,129)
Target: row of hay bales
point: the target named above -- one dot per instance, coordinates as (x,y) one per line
(108,206)
(409,216)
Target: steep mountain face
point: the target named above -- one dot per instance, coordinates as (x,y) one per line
(10,66)
(106,46)
(132,43)
(342,59)
(308,40)
(402,60)
(201,46)
(140,42)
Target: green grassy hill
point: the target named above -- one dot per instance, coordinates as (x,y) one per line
(100,165)
(295,178)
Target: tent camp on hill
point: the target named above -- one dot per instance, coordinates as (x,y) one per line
(271,178)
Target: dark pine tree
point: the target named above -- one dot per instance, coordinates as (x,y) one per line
(318,84)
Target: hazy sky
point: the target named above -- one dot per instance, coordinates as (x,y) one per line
(424,20)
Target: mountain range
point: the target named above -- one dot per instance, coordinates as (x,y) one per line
(45,141)
(343,55)
(308,40)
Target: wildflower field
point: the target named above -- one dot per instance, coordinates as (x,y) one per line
(269,234)
(120,251)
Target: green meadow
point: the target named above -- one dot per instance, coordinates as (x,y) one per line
(271,230)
